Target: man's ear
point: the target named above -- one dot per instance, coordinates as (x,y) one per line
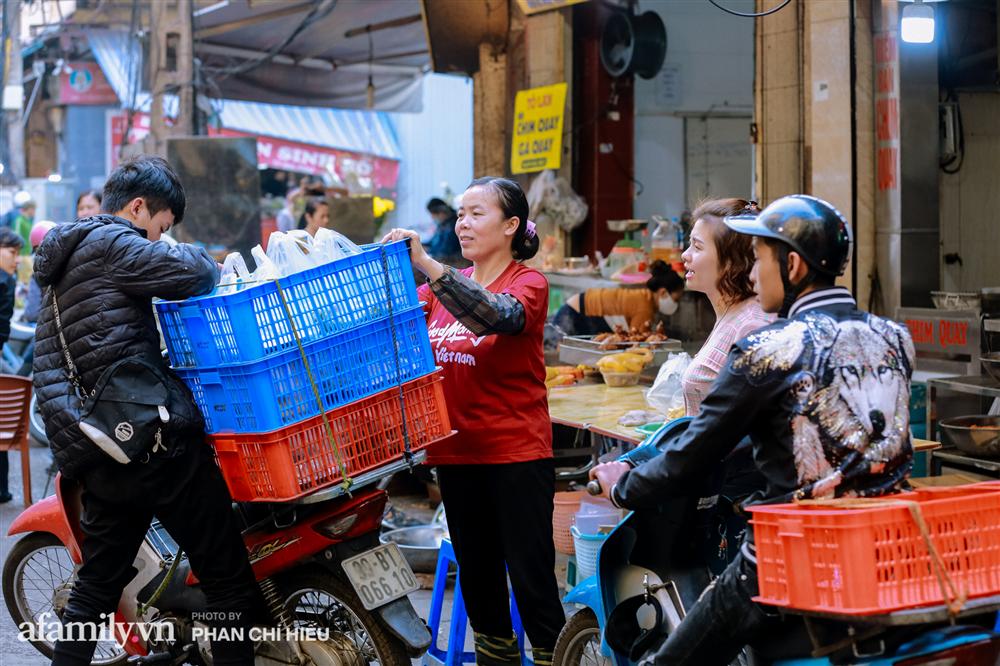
(136,205)
(797,267)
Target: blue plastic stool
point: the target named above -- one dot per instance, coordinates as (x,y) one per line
(454,654)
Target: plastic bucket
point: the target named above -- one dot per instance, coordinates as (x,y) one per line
(587,547)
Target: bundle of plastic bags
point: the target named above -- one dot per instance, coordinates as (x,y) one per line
(667,393)
(287,253)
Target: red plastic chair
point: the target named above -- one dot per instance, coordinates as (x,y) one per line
(15,403)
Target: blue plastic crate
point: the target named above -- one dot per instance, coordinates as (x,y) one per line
(274,392)
(252,324)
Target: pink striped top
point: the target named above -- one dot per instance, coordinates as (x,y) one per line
(740,320)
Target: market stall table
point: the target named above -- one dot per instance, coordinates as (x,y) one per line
(595,408)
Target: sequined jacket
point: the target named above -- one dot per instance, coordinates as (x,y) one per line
(824,395)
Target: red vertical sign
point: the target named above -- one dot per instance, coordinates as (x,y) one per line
(887,111)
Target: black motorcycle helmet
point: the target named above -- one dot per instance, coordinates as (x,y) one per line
(807,225)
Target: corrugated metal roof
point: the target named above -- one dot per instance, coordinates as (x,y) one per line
(121,60)
(368,132)
(359,131)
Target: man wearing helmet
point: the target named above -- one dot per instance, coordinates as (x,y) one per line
(823,394)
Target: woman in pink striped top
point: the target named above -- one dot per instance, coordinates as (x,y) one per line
(718,263)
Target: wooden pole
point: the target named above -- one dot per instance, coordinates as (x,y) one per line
(489,91)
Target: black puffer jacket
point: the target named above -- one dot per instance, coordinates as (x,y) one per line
(105,274)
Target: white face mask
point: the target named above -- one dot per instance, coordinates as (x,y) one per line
(667,305)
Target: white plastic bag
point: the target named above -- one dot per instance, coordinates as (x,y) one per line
(266,270)
(326,247)
(234,274)
(291,253)
(667,393)
(346,245)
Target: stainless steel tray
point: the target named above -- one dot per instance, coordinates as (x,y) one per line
(582,350)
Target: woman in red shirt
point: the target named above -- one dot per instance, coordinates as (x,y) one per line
(496,474)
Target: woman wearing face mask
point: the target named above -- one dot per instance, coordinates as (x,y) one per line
(717,263)
(634,308)
(496,474)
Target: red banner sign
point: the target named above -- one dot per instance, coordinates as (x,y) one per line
(942,333)
(359,174)
(84,83)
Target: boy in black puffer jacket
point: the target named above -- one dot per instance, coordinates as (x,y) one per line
(104,272)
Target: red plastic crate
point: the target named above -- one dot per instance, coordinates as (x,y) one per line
(874,560)
(298,459)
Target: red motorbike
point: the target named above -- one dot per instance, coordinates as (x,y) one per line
(318,561)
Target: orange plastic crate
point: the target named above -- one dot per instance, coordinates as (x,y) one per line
(298,459)
(873,560)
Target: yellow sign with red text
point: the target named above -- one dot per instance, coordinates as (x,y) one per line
(538,129)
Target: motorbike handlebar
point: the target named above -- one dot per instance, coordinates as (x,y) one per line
(594,487)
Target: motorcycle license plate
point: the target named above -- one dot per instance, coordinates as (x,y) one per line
(380,575)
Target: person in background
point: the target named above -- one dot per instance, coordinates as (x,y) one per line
(496,474)
(718,263)
(10,248)
(596,310)
(21,199)
(286,216)
(34,300)
(315,217)
(22,225)
(88,204)
(444,245)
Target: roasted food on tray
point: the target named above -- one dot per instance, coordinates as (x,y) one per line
(621,335)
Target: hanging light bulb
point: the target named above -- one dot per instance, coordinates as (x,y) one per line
(371,93)
(917,26)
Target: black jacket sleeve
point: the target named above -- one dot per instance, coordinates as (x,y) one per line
(726,417)
(480,310)
(142,268)
(8,284)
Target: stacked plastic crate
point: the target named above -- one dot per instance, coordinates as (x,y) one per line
(312,379)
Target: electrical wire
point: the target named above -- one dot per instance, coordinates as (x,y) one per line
(751,14)
(628,174)
(313,16)
(134,79)
(954,164)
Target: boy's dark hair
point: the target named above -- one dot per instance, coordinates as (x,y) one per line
(781,250)
(148,177)
(10,238)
